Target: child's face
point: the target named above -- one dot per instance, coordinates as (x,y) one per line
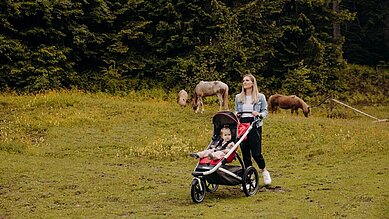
(226,135)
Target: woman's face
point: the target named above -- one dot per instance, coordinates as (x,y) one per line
(247,83)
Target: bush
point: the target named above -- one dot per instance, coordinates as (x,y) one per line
(364,85)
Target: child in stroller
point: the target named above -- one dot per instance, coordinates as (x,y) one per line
(210,173)
(219,150)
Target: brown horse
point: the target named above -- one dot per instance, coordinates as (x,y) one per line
(287,102)
(182,98)
(210,88)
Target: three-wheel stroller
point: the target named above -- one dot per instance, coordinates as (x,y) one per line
(209,174)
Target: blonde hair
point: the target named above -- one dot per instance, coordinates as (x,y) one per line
(254,91)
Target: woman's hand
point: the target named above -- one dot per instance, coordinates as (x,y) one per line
(255,113)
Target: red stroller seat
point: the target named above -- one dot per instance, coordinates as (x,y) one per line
(229,159)
(241,129)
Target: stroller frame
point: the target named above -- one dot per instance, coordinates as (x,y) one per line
(207,177)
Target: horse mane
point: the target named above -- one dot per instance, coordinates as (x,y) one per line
(304,106)
(194,96)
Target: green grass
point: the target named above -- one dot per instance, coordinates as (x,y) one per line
(78,155)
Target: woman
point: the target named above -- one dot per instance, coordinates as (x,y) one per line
(250,100)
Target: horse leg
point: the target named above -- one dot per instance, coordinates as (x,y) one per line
(198,104)
(202,105)
(273,109)
(294,109)
(220,97)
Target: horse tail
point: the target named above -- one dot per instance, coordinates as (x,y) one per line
(225,98)
(270,103)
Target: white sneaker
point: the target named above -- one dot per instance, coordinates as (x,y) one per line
(266,177)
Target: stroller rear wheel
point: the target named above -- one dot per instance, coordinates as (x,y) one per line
(211,188)
(197,190)
(250,181)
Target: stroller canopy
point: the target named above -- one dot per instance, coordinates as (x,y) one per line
(225,119)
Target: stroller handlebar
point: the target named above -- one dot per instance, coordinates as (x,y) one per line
(257,118)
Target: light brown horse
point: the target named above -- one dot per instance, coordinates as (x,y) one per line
(210,88)
(182,98)
(287,102)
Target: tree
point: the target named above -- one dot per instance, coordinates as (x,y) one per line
(366,37)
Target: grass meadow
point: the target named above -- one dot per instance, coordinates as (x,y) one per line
(71,154)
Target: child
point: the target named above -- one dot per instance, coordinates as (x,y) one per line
(216,152)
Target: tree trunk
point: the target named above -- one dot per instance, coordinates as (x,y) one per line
(386,34)
(336,25)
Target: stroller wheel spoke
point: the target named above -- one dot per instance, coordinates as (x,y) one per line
(211,187)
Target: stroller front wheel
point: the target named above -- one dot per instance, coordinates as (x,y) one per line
(197,190)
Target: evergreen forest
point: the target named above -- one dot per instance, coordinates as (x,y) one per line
(303,47)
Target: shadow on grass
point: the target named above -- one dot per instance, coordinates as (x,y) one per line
(233,192)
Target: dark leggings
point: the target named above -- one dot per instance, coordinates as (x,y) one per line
(252,146)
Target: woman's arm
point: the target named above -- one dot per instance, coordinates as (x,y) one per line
(263,106)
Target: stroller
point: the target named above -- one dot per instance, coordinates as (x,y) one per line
(209,174)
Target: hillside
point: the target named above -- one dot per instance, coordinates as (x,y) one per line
(72,154)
